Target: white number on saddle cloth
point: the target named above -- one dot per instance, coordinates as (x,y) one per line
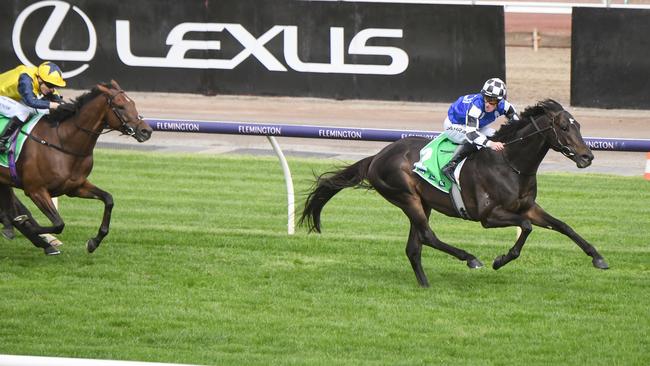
(425,154)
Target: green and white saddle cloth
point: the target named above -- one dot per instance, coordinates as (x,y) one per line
(22,137)
(433,157)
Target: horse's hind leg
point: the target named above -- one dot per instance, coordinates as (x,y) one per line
(6,196)
(414,254)
(88,190)
(19,216)
(7,227)
(25,218)
(541,218)
(421,233)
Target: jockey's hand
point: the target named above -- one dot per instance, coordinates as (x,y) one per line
(54,105)
(495,145)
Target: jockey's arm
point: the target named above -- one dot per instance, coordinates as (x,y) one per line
(26,91)
(474,135)
(54,97)
(472,127)
(510,112)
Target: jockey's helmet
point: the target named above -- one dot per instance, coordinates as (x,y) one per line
(51,74)
(494,88)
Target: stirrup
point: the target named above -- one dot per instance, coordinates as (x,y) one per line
(449,173)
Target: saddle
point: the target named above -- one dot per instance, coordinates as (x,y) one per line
(435,155)
(18,140)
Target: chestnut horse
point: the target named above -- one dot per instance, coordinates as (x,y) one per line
(498,188)
(57,158)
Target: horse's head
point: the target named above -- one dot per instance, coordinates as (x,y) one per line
(124,117)
(559,130)
(565,137)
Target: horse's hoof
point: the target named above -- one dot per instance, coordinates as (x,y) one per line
(474,263)
(8,234)
(498,262)
(50,250)
(91,245)
(600,263)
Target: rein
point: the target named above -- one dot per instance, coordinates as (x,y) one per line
(520,139)
(564,149)
(537,131)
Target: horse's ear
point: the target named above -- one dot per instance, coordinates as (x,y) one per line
(115,84)
(103,89)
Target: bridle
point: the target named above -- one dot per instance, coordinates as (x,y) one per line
(124,128)
(564,149)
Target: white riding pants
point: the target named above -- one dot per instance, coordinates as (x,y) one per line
(11,108)
(456,133)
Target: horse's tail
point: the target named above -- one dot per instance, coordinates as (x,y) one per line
(330,183)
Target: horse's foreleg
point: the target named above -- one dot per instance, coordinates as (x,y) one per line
(90,191)
(43,201)
(541,218)
(500,217)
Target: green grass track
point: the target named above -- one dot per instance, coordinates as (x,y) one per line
(198,269)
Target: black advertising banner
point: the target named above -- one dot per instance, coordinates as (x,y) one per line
(339,50)
(610,58)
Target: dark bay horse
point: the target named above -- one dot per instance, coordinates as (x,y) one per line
(498,188)
(58,157)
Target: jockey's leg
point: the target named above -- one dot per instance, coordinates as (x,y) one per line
(14,123)
(461,153)
(18,112)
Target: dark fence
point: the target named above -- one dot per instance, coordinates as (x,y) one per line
(610,58)
(340,50)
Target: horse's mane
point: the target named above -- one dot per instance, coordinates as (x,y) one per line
(72,107)
(543,107)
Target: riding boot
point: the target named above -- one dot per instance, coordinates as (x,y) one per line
(461,153)
(14,123)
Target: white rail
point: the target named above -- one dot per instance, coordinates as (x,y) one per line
(11,360)
(514,6)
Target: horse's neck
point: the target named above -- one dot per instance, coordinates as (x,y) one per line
(81,131)
(526,156)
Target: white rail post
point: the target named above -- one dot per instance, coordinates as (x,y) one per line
(289,183)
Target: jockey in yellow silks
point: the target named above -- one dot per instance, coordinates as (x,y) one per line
(26,90)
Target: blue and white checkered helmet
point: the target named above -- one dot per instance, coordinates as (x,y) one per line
(494,88)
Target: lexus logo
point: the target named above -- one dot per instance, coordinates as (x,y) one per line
(43,42)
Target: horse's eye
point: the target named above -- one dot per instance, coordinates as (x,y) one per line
(564,125)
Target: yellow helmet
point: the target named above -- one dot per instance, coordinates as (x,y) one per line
(51,74)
